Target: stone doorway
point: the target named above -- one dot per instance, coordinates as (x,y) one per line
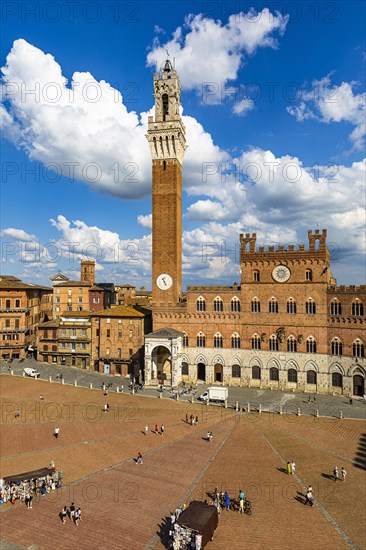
(201,372)
(358,385)
(218,373)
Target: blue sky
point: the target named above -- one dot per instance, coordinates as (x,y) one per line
(274,105)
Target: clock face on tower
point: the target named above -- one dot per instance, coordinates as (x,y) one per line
(164,281)
(281,273)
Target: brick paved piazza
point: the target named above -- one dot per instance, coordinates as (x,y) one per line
(124,506)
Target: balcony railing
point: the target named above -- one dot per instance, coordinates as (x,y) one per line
(9,330)
(14,309)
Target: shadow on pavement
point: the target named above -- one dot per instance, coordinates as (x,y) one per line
(328,476)
(163,532)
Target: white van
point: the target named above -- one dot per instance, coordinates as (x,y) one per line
(218,394)
(31,372)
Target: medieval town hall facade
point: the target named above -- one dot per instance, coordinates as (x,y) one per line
(286,325)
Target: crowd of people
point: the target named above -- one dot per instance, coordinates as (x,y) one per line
(26,489)
(73,513)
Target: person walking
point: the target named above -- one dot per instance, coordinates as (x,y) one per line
(241,506)
(344,473)
(72,511)
(156,429)
(56,432)
(335,473)
(309,498)
(139,458)
(288,467)
(122,388)
(162,429)
(76,518)
(79,513)
(227,501)
(64,514)
(293,467)
(146,429)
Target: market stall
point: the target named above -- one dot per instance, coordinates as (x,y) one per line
(195,526)
(33,483)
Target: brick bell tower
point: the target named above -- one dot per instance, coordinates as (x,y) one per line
(166,137)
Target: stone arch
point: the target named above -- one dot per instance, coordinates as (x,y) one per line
(292,364)
(336,367)
(185,358)
(161,362)
(219,360)
(236,361)
(273,363)
(255,362)
(311,365)
(356,369)
(200,359)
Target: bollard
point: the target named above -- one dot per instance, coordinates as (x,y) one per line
(298,411)
(192,400)
(317,413)
(63,381)
(117,390)
(248,407)
(260,408)
(23,374)
(225,403)
(133,390)
(91,385)
(160,395)
(207,402)
(340,415)
(236,406)
(75,383)
(280,409)
(12,372)
(50,378)
(177,394)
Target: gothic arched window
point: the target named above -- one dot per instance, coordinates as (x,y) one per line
(217,340)
(357,307)
(165,100)
(201,304)
(337,346)
(235,341)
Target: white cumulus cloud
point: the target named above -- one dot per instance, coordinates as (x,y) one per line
(327,102)
(82,129)
(209,51)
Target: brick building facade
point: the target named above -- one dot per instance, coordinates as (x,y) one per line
(22,308)
(83,295)
(109,341)
(286,325)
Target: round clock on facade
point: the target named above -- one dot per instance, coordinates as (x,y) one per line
(164,281)
(281,273)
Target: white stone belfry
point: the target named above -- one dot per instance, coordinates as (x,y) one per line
(166,131)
